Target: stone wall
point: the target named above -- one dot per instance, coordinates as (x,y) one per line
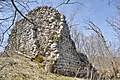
(50,37)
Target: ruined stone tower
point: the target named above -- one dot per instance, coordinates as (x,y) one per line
(50,37)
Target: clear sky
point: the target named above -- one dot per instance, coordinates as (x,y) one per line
(95,10)
(99,11)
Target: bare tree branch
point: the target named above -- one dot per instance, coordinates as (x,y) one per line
(6,18)
(116,27)
(3,34)
(68,2)
(21,13)
(109,55)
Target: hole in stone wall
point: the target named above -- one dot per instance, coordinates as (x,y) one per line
(34,32)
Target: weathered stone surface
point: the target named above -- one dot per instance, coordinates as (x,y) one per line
(50,37)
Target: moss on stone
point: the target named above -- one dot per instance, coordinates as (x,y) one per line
(39,58)
(41,48)
(55,39)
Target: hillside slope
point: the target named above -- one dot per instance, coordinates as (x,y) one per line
(16,67)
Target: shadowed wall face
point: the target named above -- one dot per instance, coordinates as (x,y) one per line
(50,37)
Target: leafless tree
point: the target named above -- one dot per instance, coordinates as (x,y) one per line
(108,56)
(115,24)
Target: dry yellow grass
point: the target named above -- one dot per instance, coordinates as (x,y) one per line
(17,67)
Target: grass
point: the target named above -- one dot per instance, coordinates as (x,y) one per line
(17,67)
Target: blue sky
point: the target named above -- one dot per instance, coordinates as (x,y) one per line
(99,11)
(95,10)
